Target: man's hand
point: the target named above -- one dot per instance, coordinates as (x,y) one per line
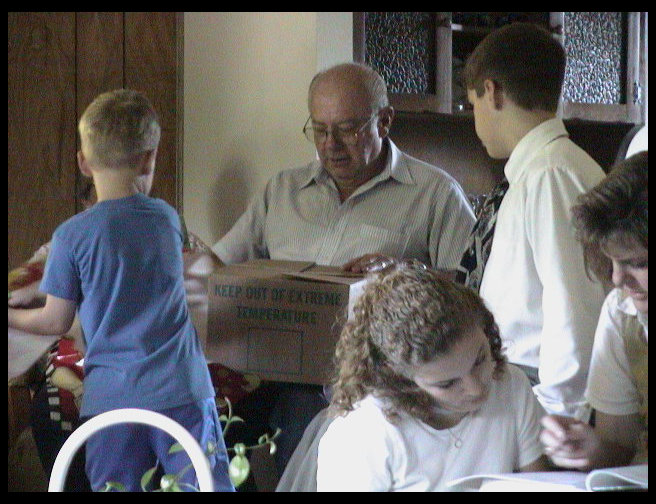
(369,263)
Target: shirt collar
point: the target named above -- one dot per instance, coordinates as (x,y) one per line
(528,147)
(626,305)
(396,167)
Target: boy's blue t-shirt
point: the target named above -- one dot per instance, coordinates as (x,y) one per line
(121,262)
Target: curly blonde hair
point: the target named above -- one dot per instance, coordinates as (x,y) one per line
(407,316)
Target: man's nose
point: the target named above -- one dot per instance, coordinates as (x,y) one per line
(332,140)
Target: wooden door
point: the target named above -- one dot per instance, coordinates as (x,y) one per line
(57,63)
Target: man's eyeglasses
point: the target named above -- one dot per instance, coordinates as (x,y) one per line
(347,135)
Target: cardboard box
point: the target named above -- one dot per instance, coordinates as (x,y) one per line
(279,319)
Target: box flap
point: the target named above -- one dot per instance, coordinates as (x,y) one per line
(278,265)
(333,278)
(299,270)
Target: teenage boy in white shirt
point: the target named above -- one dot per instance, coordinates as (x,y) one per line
(535,281)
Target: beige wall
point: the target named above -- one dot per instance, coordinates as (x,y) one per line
(245,86)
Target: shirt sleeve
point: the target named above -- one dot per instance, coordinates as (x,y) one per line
(529,413)
(611,388)
(570,299)
(60,277)
(452,225)
(354,457)
(246,239)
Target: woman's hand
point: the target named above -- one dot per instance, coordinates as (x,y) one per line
(569,442)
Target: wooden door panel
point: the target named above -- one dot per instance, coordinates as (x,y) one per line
(57,63)
(151,69)
(99,64)
(41,128)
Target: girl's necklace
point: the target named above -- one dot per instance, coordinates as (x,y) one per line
(460,426)
(457,439)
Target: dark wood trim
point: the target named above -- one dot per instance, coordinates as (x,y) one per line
(444,62)
(41,139)
(597,112)
(359,40)
(179,119)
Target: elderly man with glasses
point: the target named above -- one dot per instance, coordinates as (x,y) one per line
(360,201)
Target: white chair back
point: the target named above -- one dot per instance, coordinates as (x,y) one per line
(130,415)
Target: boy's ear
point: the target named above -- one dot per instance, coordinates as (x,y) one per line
(148,162)
(494,93)
(83,164)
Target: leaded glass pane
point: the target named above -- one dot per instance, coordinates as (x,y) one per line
(401,47)
(595,46)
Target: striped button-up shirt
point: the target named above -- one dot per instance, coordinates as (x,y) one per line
(409,210)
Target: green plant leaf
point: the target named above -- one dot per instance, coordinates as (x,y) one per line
(211,448)
(169,483)
(147,476)
(190,487)
(238,469)
(113,486)
(273,448)
(240,449)
(177,447)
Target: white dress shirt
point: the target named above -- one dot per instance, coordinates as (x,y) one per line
(535,281)
(410,210)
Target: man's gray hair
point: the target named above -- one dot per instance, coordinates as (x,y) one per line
(118,126)
(370,80)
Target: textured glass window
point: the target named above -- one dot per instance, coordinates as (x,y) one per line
(595,46)
(401,47)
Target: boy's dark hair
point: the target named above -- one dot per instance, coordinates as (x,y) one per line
(616,210)
(525,61)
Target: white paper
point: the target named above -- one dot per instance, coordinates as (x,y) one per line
(615,478)
(24,350)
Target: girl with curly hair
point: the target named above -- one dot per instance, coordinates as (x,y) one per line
(423,394)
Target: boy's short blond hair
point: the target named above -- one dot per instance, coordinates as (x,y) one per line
(118,126)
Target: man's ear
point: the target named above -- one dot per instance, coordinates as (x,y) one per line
(83,165)
(494,93)
(385,121)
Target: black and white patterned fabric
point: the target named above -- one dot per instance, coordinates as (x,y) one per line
(470,271)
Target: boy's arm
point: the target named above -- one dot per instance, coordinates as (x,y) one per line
(56,317)
(571,301)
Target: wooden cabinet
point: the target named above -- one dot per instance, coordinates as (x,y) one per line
(57,63)
(607,55)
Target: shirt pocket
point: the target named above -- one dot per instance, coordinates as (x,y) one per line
(373,239)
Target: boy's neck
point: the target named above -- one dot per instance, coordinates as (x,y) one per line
(519,122)
(116,183)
